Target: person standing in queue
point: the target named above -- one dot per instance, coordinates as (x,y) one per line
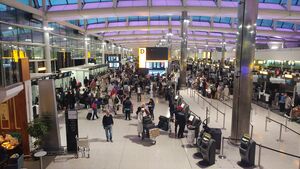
(141,112)
(180,121)
(151,106)
(107,123)
(127,108)
(288,105)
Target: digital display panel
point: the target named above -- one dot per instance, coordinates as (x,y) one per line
(157,53)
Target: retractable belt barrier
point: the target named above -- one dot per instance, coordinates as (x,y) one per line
(268,119)
(260,146)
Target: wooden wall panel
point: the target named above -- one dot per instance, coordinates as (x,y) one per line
(18,119)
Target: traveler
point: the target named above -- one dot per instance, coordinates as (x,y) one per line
(94,109)
(127,108)
(288,105)
(151,106)
(180,121)
(139,93)
(281,102)
(140,116)
(107,123)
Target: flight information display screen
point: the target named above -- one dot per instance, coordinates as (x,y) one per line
(157,53)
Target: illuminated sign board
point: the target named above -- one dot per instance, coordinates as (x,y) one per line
(142,57)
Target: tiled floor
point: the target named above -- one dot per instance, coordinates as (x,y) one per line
(129,152)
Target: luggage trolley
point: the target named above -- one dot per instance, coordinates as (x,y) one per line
(83,147)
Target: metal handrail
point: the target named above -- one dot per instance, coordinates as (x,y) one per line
(222,156)
(218,110)
(268,118)
(281,125)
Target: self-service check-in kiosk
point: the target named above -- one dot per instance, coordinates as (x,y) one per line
(208,149)
(247,151)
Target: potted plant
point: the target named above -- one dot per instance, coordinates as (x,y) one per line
(38,129)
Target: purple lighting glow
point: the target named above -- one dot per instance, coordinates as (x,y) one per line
(98,5)
(200,3)
(166,3)
(138,23)
(132,3)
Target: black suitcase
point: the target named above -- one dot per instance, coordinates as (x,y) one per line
(163,119)
(89,116)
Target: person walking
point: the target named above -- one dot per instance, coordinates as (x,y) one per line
(107,123)
(139,93)
(151,106)
(127,108)
(94,109)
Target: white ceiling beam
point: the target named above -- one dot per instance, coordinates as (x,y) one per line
(183,2)
(155,11)
(79,4)
(149,3)
(192,28)
(208,37)
(115,3)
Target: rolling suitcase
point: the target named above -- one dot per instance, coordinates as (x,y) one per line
(89,116)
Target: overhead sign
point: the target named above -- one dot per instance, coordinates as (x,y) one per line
(142,57)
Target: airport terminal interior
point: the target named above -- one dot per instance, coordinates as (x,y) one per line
(143,84)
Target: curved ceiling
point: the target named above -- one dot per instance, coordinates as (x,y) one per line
(148,21)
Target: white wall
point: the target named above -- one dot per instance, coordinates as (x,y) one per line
(266,54)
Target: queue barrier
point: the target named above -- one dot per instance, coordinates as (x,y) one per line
(260,146)
(194,93)
(268,119)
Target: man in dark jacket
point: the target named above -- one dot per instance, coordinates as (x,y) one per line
(180,120)
(108,122)
(127,108)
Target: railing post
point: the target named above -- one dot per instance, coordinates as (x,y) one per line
(268,112)
(251,134)
(259,156)
(224,122)
(207,115)
(280,133)
(222,156)
(217,118)
(266,123)
(286,121)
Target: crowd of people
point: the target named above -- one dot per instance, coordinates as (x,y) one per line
(111,94)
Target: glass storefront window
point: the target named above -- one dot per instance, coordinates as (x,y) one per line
(10,67)
(38,52)
(25,35)
(8,33)
(8,14)
(38,37)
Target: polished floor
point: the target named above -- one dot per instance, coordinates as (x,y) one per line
(128,151)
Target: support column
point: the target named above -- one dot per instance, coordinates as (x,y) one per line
(47,47)
(183,58)
(223,52)
(245,51)
(103,52)
(86,49)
